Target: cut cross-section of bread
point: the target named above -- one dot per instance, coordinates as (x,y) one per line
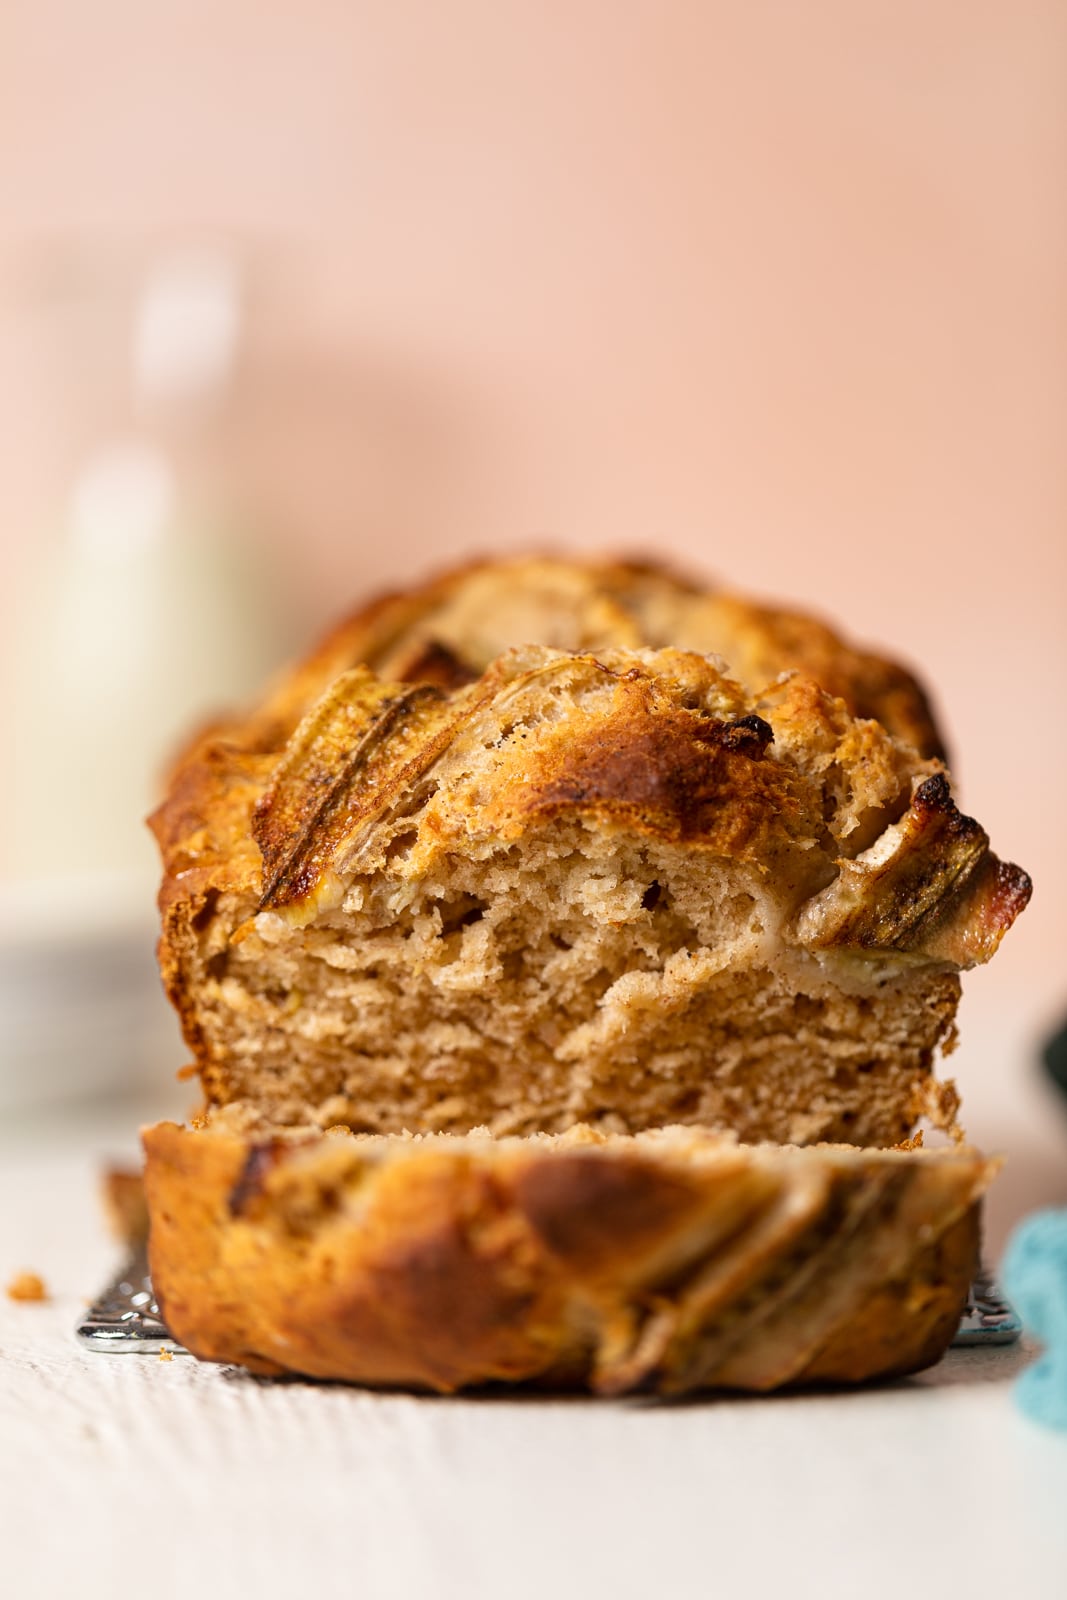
(666,1262)
(611,888)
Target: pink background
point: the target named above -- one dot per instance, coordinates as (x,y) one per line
(776,290)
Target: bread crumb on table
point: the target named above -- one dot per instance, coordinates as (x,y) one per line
(27,1286)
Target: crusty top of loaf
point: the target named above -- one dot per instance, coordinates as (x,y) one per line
(449,629)
(658,743)
(666,1262)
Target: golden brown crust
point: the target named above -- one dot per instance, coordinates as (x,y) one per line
(209,858)
(931,887)
(759,641)
(356,752)
(667,1263)
(446,632)
(641,759)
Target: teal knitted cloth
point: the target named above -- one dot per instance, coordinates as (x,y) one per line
(1034,1275)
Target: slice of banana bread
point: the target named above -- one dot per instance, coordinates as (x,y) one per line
(664,1262)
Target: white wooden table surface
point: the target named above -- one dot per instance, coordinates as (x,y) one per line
(125,1475)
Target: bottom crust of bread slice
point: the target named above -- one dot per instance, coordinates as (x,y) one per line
(664,1262)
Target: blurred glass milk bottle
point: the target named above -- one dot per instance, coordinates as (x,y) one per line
(143,614)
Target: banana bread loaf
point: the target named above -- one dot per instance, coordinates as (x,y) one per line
(458,923)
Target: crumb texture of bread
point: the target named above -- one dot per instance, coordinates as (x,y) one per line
(665,1263)
(614,888)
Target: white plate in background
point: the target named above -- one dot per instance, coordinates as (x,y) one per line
(82,1012)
